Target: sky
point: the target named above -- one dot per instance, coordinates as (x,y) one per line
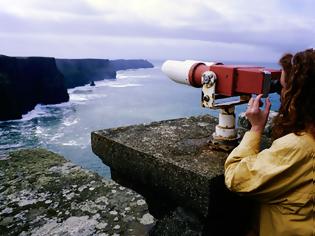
(214,30)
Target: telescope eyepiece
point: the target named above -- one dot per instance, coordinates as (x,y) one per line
(275,87)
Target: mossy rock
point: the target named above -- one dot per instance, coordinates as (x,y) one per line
(43,194)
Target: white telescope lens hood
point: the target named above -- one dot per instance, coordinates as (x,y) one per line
(178,71)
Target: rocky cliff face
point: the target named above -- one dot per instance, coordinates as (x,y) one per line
(25,82)
(129,64)
(79,72)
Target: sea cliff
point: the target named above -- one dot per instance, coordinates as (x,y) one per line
(79,72)
(26,82)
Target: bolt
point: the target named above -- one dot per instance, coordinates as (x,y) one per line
(209,78)
(206,98)
(206,79)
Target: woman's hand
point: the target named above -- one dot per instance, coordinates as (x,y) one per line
(256,116)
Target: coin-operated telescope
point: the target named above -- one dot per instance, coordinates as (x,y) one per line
(220,83)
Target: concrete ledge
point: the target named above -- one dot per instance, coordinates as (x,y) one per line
(171,159)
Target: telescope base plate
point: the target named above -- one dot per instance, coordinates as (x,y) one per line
(223,144)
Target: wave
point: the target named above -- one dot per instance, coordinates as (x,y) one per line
(77,98)
(59,105)
(9,146)
(70,143)
(38,111)
(126,76)
(56,137)
(69,122)
(116,84)
(83,98)
(74,143)
(81,89)
(39,130)
(124,85)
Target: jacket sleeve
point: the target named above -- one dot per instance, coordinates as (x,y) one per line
(266,174)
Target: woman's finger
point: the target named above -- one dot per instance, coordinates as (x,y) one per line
(257,100)
(250,103)
(267,106)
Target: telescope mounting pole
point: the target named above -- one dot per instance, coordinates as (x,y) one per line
(225,136)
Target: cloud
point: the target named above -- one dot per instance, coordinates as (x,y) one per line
(276,26)
(132,47)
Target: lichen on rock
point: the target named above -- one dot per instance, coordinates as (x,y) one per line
(43,194)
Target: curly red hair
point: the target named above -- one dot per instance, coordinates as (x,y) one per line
(297,110)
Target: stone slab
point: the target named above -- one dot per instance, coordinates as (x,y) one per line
(169,158)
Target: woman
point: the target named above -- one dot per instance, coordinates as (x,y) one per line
(281,178)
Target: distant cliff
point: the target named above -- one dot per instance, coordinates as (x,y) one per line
(25,82)
(79,72)
(129,64)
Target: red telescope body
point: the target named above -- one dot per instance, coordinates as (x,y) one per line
(219,82)
(231,80)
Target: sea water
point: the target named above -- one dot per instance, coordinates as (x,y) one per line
(135,96)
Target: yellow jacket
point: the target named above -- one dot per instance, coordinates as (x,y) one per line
(282,178)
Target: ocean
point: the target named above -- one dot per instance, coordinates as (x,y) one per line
(135,96)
